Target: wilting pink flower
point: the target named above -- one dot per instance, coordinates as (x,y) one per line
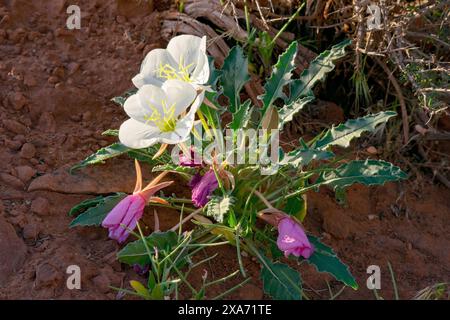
(125,215)
(203,187)
(292,239)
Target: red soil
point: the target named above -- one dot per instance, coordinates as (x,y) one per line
(55,93)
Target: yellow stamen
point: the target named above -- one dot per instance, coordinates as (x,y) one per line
(165,122)
(170,73)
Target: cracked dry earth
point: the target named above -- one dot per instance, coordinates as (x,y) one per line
(55,93)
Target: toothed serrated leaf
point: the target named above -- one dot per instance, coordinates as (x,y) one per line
(234,76)
(94,215)
(288,112)
(280,77)
(342,134)
(280,281)
(326,260)
(367,172)
(219,206)
(317,70)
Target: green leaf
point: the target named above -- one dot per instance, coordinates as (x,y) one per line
(242,116)
(326,260)
(234,76)
(96,213)
(219,206)
(316,71)
(344,133)
(111,132)
(367,172)
(120,100)
(296,206)
(111,151)
(85,204)
(214,74)
(281,76)
(280,281)
(304,155)
(185,171)
(136,253)
(288,111)
(140,289)
(146,155)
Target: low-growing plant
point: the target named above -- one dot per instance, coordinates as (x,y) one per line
(257,203)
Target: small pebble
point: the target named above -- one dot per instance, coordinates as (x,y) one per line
(372,150)
(40,206)
(25,173)
(12,181)
(28,151)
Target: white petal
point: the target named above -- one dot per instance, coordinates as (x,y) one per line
(136,135)
(184,126)
(185,50)
(145,102)
(138,80)
(200,75)
(150,67)
(179,93)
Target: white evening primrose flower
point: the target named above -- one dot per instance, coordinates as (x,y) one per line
(159,114)
(184,59)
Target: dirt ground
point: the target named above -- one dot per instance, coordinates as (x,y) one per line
(56,86)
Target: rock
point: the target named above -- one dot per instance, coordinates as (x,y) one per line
(30,231)
(98,180)
(53,80)
(18,100)
(40,206)
(47,122)
(72,68)
(102,283)
(372,150)
(28,151)
(12,144)
(15,126)
(59,72)
(47,275)
(12,251)
(20,138)
(12,181)
(25,173)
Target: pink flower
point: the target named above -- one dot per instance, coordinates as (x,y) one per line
(203,187)
(125,215)
(191,160)
(292,239)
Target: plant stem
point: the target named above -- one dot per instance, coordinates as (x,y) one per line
(238,251)
(286,24)
(189,217)
(266,202)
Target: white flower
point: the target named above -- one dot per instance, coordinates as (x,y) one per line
(158,114)
(184,59)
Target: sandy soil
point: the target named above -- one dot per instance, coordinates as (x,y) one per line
(55,93)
